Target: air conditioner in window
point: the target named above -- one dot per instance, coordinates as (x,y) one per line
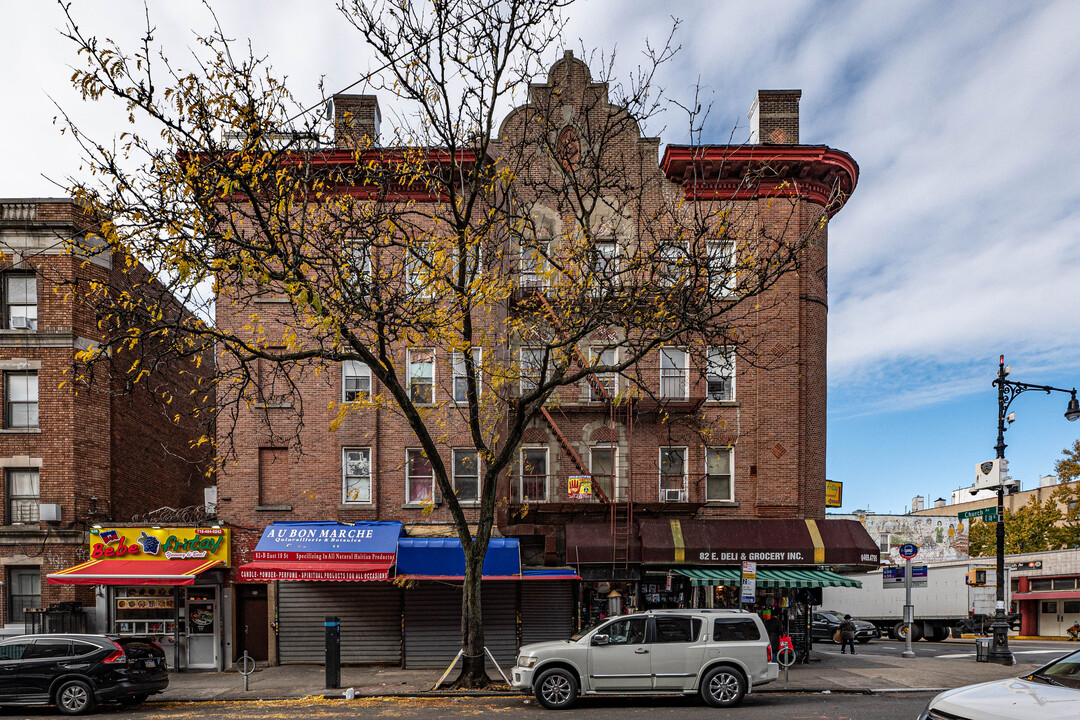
(49,512)
(673,495)
(20,323)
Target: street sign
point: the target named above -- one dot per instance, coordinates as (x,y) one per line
(1029,565)
(986,514)
(909,550)
(749,581)
(894,577)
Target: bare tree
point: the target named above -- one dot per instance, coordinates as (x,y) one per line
(515,227)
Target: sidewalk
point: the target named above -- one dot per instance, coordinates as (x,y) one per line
(828,671)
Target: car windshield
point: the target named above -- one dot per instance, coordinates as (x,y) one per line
(589,629)
(1063,671)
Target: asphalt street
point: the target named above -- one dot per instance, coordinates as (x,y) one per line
(1026,651)
(903,706)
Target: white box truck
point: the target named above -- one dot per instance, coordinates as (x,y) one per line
(947,603)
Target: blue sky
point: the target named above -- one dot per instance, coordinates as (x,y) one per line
(962,240)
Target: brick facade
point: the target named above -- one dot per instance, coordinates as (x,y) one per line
(775,423)
(101,454)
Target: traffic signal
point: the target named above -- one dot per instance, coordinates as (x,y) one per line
(976,577)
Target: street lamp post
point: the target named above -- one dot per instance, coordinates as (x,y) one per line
(1007,392)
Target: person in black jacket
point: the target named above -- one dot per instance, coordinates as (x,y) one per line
(847,635)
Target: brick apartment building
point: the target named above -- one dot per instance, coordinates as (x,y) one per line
(670,511)
(73,456)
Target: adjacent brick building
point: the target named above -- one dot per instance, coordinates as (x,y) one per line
(711,443)
(74,454)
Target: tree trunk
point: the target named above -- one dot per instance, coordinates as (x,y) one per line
(473,673)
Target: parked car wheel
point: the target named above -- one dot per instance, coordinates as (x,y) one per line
(723,687)
(74,697)
(556,689)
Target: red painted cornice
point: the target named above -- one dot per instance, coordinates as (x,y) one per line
(814,173)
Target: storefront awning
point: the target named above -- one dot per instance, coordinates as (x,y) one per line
(770,577)
(770,542)
(133,572)
(443,558)
(270,570)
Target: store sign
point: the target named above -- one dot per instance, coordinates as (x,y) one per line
(329,573)
(834,494)
(579,487)
(749,582)
(319,541)
(160,544)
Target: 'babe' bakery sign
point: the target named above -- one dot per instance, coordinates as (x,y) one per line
(160,544)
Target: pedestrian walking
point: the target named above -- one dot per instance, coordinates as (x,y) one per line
(847,635)
(1074,630)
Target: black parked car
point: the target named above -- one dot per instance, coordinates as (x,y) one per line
(76,672)
(827,622)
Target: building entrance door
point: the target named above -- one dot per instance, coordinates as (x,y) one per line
(203,622)
(253,623)
(1051,618)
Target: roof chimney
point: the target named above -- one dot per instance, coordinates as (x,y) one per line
(774,117)
(917,503)
(356,118)
(940,502)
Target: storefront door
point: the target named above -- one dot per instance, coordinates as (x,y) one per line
(253,622)
(202,624)
(1051,621)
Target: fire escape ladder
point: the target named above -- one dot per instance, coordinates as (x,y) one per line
(594,382)
(564,442)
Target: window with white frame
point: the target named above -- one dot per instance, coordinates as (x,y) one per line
(461,383)
(532,265)
(356,475)
(673,373)
(21,399)
(673,474)
(718,485)
(22,495)
(20,301)
(24,591)
(720,374)
(357,272)
(466,476)
(419,478)
(673,264)
(419,270)
(606,267)
(422,376)
(355,380)
(602,468)
(534,475)
(608,382)
(530,368)
(721,267)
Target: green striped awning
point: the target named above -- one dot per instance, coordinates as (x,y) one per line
(768,577)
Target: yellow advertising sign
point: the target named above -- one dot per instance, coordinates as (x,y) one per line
(834,493)
(160,544)
(579,487)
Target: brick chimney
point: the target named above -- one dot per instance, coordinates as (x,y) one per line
(355,116)
(774,117)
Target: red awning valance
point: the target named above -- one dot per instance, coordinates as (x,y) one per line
(111,571)
(270,570)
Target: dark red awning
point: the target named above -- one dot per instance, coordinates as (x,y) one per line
(111,571)
(270,570)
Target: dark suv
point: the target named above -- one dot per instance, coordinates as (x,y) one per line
(76,672)
(827,622)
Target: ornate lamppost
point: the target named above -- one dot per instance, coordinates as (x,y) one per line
(1007,392)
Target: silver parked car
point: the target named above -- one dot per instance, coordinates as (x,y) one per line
(720,654)
(1050,693)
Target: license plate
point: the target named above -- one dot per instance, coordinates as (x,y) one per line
(152,662)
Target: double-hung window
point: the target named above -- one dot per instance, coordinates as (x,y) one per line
(673,373)
(24,592)
(530,369)
(606,267)
(466,476)
(419,270)
(422,376)
(721,267)
(20,301)
(718,485)
(674,264)
(355,380)
(608,381)
(533,268)
(357,271)
(602,468)
(720,374)
(461,382)
(673,474)
(21,399)
(356,475)
(22,495)
(534,474)
(419,478)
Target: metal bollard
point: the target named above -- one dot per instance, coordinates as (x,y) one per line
(333,653)
(245,666)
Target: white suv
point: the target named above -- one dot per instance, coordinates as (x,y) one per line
(720,653)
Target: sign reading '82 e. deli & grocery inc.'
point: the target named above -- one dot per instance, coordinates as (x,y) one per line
(160,544)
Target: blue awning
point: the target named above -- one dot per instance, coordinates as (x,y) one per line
(443,558)
(333,541)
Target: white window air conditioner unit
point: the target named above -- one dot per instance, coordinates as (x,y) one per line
(673,495)
(20,323)
(49,512)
